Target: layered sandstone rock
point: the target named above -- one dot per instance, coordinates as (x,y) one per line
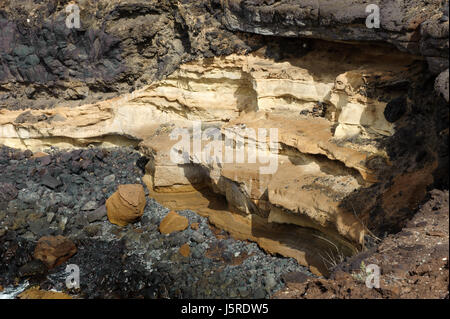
(126,205)
(217,90)
(340,165)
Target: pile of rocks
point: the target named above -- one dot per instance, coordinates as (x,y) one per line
(63,208)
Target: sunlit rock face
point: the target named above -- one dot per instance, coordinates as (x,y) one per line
(339,169)
(331,81)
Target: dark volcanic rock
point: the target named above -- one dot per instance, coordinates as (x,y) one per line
(97,215)
(122,262)
(121,46)
(50,181)
(416,26)
(7,192)
(33,268)
(395,109)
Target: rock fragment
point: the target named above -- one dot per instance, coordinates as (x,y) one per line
(126,205)
(36,293)
(185,250)
(173,222)
(54,250)
(97,214)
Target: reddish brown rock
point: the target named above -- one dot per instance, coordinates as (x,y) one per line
(172,223)
(194,226)
(54,250)
(126,205)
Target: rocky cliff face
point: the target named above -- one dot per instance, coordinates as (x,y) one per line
(361,114)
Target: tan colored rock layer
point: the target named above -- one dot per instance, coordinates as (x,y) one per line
(220,89)
(328,107)
(304,244)
(37,293)
(173,222)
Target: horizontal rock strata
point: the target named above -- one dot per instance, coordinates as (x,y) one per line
(340,166)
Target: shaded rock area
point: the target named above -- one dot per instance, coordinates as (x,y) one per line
(413,262)
(420,27)
(135,261)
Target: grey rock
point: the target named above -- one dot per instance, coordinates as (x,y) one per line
(39,227)
(91,205)
(243,291)
(197,237)
(441,85)
(336,20)
(97,214)
(50,181)
(270,282)
(109,179)
(259,293)
(50,217)
(44,161)
(7,192)
(93,230)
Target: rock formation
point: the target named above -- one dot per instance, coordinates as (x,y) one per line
(126,205)
(360,115)
(54,250)
(173,223)
(36,293)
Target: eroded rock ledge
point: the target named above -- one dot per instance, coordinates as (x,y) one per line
(355,152)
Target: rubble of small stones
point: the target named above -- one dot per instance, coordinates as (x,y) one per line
(64,194)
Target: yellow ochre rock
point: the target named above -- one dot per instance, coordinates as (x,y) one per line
(172,223)
(36,293)
(185,250)
(126,205)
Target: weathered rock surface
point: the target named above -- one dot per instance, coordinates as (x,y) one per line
(185,250)
(419,27)
(413,263)
(120,46)
(54,250)
(36,293)
(361,131)
(126,205)
(124,45)
(441,85)
(173,223)
(219,89)
(339,113)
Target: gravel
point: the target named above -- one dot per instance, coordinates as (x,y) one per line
(65,193)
